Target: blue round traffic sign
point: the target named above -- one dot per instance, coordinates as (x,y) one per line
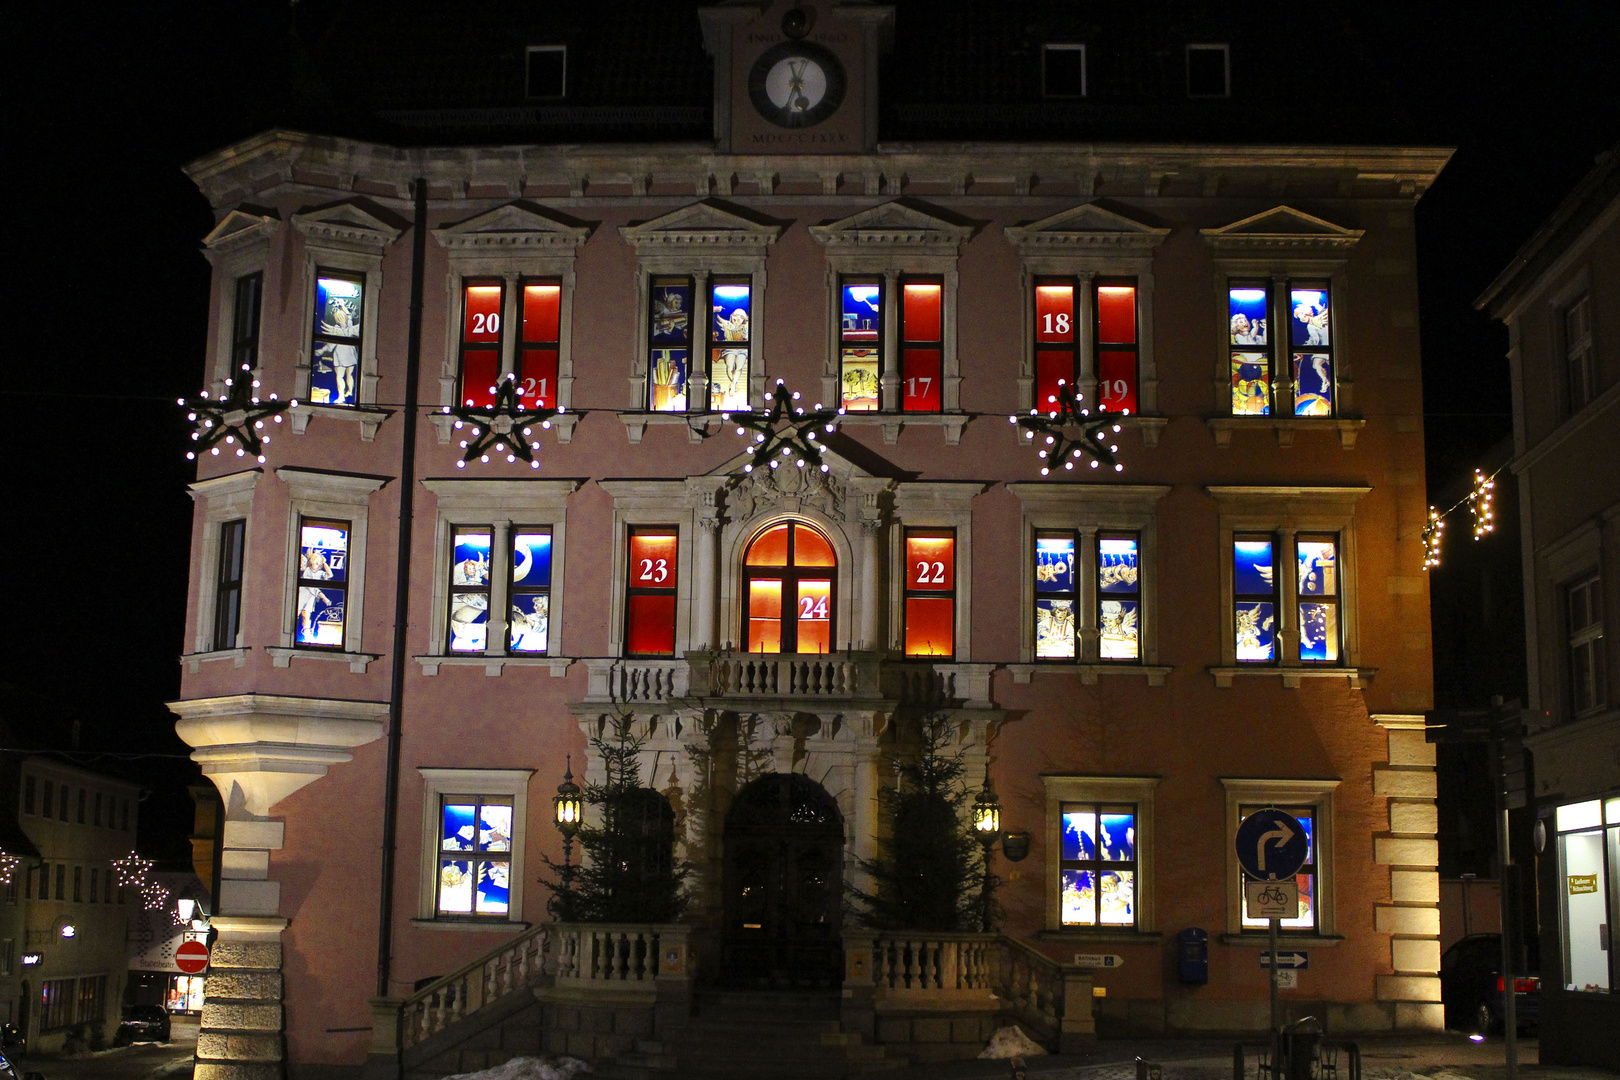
(1272,844)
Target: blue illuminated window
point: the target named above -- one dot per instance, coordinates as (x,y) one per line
(334,364)
(1097,865)
(1254,595)
(322,584)
(1262,385)
(528,628)
(475,855)
(1319,625)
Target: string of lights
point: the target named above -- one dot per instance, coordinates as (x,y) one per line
(1479,503)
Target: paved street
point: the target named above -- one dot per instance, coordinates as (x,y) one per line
(142,1061)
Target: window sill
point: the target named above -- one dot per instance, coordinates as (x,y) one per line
(195,661)
(1285,427)
(1290,676)
(280,657)
(893,423)
(369,419)
(1111,937)
(1259,939)
(444,425)
(475,925)
(494,664)
(1090,673)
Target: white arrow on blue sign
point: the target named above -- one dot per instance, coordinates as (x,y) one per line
(1286,959)
(1271,845)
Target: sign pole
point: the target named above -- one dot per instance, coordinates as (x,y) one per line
(1276,1032)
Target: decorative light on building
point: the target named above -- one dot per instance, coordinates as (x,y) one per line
(234,421)
(798,442)
(131,869)
(1431,538)
(154,896)
(506,426)
(1479,503)
(1068,434)
(8,866)
(69,930)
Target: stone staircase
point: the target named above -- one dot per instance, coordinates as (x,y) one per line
(735,1035)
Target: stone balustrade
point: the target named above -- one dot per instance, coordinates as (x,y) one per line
(511,966)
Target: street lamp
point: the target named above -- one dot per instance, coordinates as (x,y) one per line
(566,810)
(987,825)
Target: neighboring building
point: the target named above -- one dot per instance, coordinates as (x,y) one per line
(1238,619)
(155,932)
(1560,299)
(71,958)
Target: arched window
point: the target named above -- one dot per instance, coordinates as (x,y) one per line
(791,583)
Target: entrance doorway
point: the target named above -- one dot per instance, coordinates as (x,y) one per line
(784,845)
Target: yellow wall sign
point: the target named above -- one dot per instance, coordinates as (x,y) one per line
(1582,883)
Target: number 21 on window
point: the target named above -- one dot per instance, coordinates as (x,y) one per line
(535,389)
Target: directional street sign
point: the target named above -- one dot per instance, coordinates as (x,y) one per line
(1271,899)
(1098,960)
(1271,845)
(1294,960)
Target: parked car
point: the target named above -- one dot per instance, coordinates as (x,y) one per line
(8,1071)
(143,1023)
(1472,986)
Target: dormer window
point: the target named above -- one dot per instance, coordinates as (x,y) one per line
(545,74)
(1209,71)
(1063,70)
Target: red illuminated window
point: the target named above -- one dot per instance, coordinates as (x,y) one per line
(485,356)
(1057,353)
(792,577)
(863,344)
(650,601)
(921,346)
(930,592)
(1116,343)
(1061,346)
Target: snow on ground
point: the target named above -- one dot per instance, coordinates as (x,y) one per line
(1010,1041)
(530,1068)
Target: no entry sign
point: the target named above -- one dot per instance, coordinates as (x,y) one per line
(191,957)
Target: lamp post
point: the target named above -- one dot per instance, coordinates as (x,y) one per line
(987,826)
(565,812)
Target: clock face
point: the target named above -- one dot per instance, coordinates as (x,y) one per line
(796,84)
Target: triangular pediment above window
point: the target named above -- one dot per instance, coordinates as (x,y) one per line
(516,225)
(351,224)
(901,223)
(1281,227)
(1085,226)
(703,225)
(240,228)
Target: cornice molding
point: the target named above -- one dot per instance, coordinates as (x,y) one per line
(516,225)
(347,225)
(897,224)
(238,230)
(1281,228)
(1085,226)
(702,224)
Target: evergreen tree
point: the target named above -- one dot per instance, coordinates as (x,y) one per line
(930,874)
(627,871)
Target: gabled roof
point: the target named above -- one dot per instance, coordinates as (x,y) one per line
(239,228)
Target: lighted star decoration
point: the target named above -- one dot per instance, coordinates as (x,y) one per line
(131,869)
(798,441)
(1479,503)
(506,425)
(8,866)
(234,420)
(154,896)
(1431,538)
(1068,433)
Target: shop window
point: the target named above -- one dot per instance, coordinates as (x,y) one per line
(1097,865)
(650,603)
(791,581)
(335,338)
(1260,386)
(930,609)
(475,855)
(1254,598)
(1583,603)
(1589,892)
(322,583)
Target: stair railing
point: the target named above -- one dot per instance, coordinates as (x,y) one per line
(1052,999)
(938,962)
(510,966)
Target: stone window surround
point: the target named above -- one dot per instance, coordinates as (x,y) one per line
(1089,509)
(344,497)
(1312,249)
(439,782)
(223,498)
(1087,242)
(237,247)
(935,505)
(732,624)
(1317,794)
(1568,559)
(511,242)
(333,241)
(503,505)
(1559,301)
(1285,512)
(651,502)
(699,241)
(1100,789)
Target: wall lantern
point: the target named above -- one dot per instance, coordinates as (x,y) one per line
(566,808)
(987,813)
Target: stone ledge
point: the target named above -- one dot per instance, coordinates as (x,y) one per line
(237,1070)
(239,1016)
(253,986)
(1422,818)
(1414,886)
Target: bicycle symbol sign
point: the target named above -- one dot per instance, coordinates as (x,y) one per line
(1271,845)
(1271,899)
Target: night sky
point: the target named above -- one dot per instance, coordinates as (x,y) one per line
(107,298)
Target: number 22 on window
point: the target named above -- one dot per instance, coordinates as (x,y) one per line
(930,573)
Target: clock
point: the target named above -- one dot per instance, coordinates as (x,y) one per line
(796,84)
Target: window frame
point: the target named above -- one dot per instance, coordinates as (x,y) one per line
(300,582)
(1047,48)
(228,585)
(1587,639)
(1111,791)
(1332,600)
(1235,599)
(454,589)
(909,592)
(929,506)
(220,499)
(529,52)
(316,338)
(1097,867)
(440,782)
(789,574)
(1607,830)
(1317,794)
(673,589)
(237,247)
(1309,868)
(245,346)
(1283,379)
(1577,352)
(707,341)
(346,238)
(1225,49)
(337,497)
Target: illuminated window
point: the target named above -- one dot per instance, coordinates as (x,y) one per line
(1589,892)
(726,344)
(1060,570)
(335,338)
(1306,878)
(475,855)
(1583,604)
(930,592)
(1056,577)
(1577,333)
(650,603)
(1260,387)
(485,354)
(1318,560)
(861,344)
(1254,594)
(1062,344)
(468,617)
(791,578)
(228,584)
(1119,596)
(322,583)
(245,321)
(1097,865)
(528,627)
(1063,71)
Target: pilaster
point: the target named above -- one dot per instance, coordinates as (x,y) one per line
(1411,915)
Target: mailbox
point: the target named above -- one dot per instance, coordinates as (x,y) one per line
(1193,945)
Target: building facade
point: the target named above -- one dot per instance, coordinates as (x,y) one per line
(1561,304)
(1235,618)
